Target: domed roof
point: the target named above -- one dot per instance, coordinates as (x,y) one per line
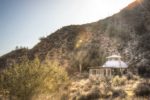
(115,64)
(114,56)
(115,61)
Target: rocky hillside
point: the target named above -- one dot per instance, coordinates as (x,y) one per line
(126,33)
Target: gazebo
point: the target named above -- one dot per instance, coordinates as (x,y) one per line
(113,66)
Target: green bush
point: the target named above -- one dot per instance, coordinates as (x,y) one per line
(143,89)
(31,77)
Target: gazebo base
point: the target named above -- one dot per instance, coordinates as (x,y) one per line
(106,72)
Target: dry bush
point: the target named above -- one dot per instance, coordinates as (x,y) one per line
(117,81)
(93,94)
(119,93)
(105,88)
(129,76)
(143,89)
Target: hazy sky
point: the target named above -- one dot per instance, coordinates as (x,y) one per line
(23,22)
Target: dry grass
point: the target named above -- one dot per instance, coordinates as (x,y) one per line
(86,89)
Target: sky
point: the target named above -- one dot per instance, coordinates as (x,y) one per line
(23,22)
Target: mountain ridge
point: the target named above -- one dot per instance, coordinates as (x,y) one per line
(125,33)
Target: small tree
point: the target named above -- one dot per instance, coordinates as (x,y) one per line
(31,77)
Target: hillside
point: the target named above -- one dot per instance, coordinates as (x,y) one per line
(126,33)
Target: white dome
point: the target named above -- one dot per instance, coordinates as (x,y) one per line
(115,64)
(114,56)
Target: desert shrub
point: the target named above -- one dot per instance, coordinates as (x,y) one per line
(143,89)
(144,71)
(31,77)
(93,94)
(129,76)
(64,97)
(119,93)
(117,81)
